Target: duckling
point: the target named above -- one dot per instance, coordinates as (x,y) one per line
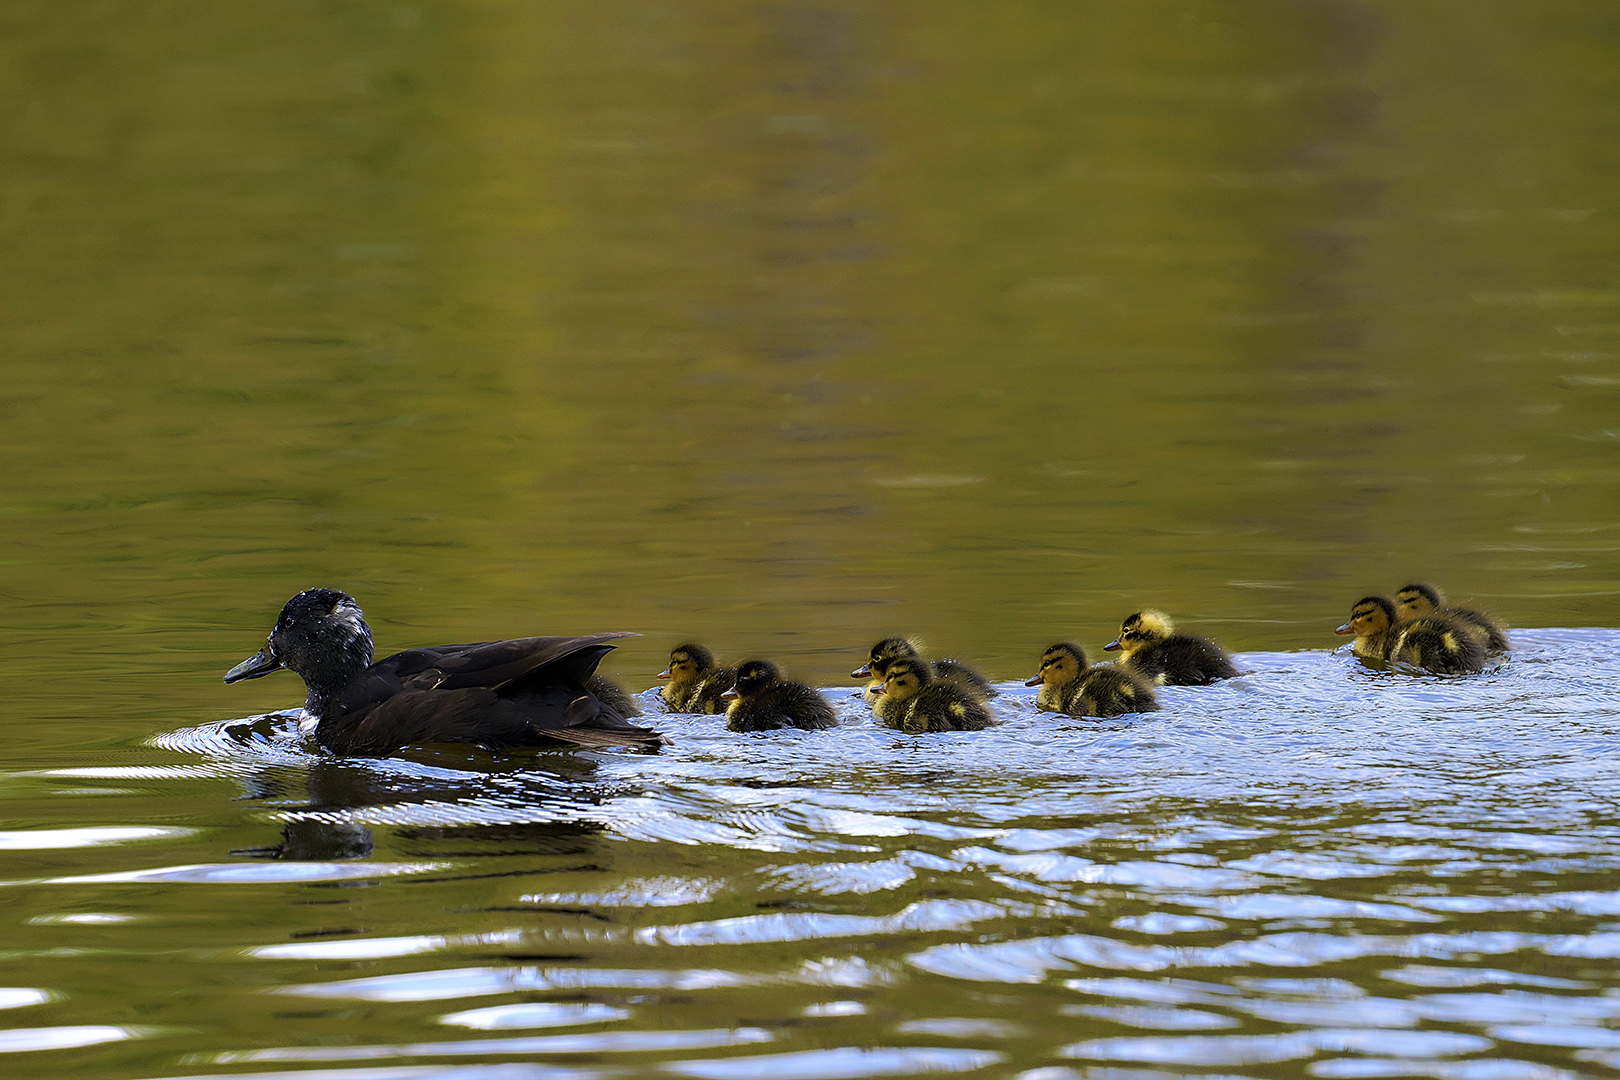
(1158,654)
(696,683)
(495,694)
(915,699)
(764,701)
(1437,645)
(1417,601)
(888,650)
(1372,620)
(1070,685)
(613,695)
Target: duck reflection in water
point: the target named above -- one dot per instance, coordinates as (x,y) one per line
(318,832)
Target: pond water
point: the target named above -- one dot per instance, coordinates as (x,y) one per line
(785,326)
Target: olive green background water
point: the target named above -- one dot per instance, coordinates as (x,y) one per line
(786,324)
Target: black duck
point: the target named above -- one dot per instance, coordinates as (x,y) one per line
(496,694)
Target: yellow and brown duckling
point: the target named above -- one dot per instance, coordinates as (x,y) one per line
(915,699)
(1422,600)
(696,683)
(1154,651)
(764,701)
(891,649)
(1437,645)
(1070,685)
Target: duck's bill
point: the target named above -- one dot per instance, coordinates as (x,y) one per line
(1036,681)
(259,664)
(861,672)
(1112,646)
(1345,629)
(663,674)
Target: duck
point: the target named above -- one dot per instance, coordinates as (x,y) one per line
(495,694)
(1069,684)
(696,683)
(1153,650)
(1421,599)
(763,700)
(890,649)
(915,699)
(1437,645)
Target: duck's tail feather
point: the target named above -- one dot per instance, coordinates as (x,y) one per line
(635,737)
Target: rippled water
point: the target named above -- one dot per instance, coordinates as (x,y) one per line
(1313,869)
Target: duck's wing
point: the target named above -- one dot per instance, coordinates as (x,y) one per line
(520,692)
(483,717)
(495,664)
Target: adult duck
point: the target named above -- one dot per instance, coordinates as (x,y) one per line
(495,694)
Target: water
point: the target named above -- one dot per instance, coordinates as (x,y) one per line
(1313,869)
(785,326)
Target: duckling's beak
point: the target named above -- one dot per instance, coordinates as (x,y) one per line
(729,695)
(1036,681)
(259,664)
(664,674)
(1345,629)
(1112,646)
(861,672)
(879,688)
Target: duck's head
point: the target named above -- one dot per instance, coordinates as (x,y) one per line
(1416,601)
(1060,665)
(883,654)
(754,676)
(687,662)
(904,679)
(1140,630)
(1369,616)
(322,636)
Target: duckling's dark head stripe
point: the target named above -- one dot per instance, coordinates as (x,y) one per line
(1366,604)
(1428,592)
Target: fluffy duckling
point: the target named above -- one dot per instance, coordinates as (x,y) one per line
(764,701)
(1158,654)
(1437,645)
(1421,600)
(915,699)
(891,649)
(1070,685)
(1372,620)
(696,683)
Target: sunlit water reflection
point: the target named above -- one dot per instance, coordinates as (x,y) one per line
(1315,865)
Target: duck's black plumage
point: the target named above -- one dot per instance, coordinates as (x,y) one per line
(767,702)
(496,694)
